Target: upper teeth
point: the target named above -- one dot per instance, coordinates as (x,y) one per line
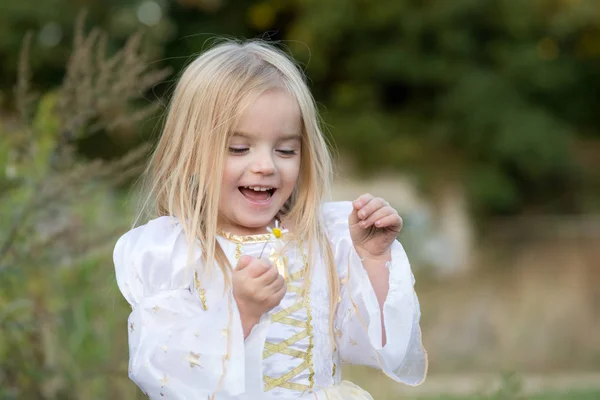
(258,189)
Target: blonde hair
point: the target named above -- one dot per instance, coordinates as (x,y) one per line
(183,177)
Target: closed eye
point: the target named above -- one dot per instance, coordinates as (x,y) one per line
(238,150)
(287,152)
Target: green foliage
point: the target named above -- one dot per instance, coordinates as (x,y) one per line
(565,395)
(501,85)
(511,387)
(496,91)
(439,89)
(59,224)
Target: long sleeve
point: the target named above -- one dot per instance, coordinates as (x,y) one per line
(358,329)
(184,343)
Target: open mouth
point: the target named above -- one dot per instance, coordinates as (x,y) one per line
(257,193)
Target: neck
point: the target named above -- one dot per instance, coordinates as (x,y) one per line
(236,229)
(242,230)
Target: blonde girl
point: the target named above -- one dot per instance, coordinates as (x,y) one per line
(246,283)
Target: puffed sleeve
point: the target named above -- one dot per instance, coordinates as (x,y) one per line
(183,343)
(358,329)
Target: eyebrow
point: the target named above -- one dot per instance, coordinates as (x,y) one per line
(285,136)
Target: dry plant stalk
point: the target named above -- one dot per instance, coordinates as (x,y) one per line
(98,90)
(98,93)
(57,200)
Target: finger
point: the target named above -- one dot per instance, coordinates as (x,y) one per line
(243,262)
(258,267)
(268,277)
(277,285)
(392,222)
(383,212)
(357,204)
(362,200)
(373,205)
(281,291)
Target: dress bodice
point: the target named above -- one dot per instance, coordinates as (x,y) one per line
(185,335)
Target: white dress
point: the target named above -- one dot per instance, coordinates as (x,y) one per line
(185,334)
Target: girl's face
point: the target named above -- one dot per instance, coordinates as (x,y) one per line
(262,164)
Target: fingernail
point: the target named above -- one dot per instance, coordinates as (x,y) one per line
(361,214)
(362,224)
(378,223)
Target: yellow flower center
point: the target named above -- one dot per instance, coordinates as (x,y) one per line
(277,232)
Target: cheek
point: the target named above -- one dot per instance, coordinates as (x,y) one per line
(291,172)
(230,173)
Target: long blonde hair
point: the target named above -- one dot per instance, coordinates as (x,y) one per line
(183,177)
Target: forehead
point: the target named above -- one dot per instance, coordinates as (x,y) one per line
(274,113)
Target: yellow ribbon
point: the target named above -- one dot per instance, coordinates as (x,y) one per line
(280,262)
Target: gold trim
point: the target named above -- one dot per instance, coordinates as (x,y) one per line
(280,262)
(299,274)
(311,372)
(203,298)
(294,386)
(271,383)
(238,251)
(243,239)
(278,347)
(270,350)
(295,289)
(293,322)
(283,317)
(286,311)
(201,291)
(225,358)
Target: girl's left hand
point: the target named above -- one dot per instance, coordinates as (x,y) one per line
(374,225)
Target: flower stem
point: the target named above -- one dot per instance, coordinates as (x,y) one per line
(263,249)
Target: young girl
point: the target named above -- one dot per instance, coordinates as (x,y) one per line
(247,285)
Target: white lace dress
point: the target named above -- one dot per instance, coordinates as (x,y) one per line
(185,334)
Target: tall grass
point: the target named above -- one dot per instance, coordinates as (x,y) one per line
(60,216)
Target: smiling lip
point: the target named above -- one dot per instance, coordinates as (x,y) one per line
(258,195)
(259,187)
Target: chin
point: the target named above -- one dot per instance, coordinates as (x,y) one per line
(255,223)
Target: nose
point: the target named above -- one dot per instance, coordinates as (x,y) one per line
(263,164)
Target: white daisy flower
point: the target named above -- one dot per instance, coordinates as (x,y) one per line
(278,248)
(277,231)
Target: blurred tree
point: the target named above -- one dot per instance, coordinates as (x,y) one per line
(493,93)
(56,208)
(53,22)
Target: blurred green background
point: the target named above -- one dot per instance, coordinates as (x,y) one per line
(477,119)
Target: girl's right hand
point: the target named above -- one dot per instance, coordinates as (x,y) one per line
(257,288)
